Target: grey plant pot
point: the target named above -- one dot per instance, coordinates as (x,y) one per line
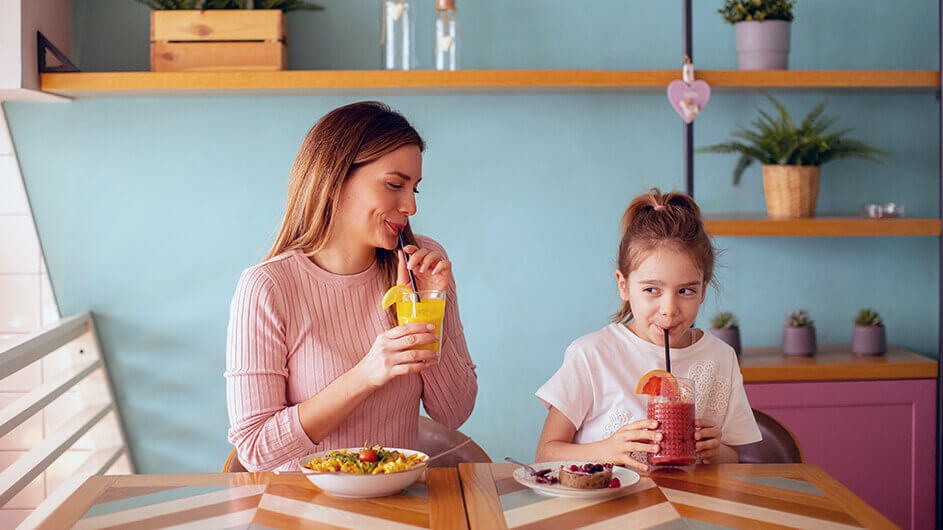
(798,341)
(763,45)
(869,340)
(731,336)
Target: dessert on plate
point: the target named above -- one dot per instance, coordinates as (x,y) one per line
(586,476)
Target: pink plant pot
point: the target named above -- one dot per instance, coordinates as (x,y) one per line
(869,340)
(798,341)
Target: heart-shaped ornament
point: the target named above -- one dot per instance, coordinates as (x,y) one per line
(395,9)
(688,100)
(446,42)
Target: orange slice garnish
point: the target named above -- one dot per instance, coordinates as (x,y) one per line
(651,383)
(394,294)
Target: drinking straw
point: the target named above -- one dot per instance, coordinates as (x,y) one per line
(412,279)
(667,354)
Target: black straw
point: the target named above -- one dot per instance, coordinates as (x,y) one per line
(412,279)
(667,354)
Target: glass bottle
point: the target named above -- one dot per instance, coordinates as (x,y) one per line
(446,36)
(398,34)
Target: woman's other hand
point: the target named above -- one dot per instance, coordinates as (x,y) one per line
(430,268)
(393,354)
(707,438)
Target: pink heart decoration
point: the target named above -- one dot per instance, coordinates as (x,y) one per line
(688,100)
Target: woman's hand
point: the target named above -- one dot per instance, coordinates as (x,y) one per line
(707,438)
(430,268)
(393,354)
(631,437)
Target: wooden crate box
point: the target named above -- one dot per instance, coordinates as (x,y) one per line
(218,40)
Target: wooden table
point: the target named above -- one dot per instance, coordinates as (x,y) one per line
(241,500)
(729,495)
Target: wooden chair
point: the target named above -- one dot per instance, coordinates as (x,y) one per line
(447,447)
(779,444)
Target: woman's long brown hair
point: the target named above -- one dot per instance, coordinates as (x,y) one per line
(341,141)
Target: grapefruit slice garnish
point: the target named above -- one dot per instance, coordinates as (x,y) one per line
(393,294)
(652,383)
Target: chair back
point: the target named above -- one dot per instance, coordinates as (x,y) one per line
(779,445)
(233,465)
(449,446)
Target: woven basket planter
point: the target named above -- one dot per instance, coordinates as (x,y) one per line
(791,191)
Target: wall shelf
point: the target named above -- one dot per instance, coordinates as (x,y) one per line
(761,226)
(833,363)
(311,82)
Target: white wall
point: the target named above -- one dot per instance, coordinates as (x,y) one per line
(26,305)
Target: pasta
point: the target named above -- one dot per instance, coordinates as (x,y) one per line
(378,460)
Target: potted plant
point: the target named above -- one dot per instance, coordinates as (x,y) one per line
(762,32)
(868,337)
(220,35)
(799,334)
(792,156)
(724,327)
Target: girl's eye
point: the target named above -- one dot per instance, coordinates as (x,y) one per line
(394,186)
(650,290)
(688,291)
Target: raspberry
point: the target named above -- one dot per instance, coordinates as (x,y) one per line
(574,468)
(614,483)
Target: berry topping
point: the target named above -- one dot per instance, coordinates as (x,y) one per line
(614,483)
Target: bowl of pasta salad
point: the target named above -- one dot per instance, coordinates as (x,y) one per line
(364,472)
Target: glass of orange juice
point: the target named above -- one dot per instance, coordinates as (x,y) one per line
(422,306)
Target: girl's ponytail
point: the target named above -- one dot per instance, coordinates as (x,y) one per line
(653,220)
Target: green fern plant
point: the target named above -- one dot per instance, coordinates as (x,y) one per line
(778,141)
(284,5)
(756,10)
(724,320)
(868,317)
(799,319)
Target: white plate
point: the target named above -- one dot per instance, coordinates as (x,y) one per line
(627,478)
(364,486)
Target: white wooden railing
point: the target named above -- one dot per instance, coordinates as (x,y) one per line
(75,342)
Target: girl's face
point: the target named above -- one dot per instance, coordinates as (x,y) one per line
(665,292)
(378,197)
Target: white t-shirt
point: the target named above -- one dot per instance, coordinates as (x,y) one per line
(595,386)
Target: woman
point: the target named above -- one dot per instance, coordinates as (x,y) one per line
(312,361)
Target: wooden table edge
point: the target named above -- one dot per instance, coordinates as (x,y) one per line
(75,506)
(446,499)
(481,497)
(863,512)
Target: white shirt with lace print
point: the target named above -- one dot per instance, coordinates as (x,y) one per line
(595,386)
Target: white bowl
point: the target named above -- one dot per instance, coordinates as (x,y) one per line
(357,486)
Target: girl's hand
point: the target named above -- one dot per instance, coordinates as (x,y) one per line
(430,268)
(631,437)
(393,354)
(707,437)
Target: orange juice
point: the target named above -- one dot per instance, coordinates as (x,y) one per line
(429,309)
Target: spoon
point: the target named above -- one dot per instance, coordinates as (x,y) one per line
(525,466)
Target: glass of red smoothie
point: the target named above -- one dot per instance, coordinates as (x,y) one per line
(673,408)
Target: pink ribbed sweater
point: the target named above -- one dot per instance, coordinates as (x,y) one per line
(294,328)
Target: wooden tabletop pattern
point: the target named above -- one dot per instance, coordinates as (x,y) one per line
(254,500)
(729,495)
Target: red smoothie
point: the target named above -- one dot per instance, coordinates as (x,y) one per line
(676,425)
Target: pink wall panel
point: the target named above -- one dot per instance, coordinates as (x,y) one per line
(876,437)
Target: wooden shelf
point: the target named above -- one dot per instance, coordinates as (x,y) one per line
(302,82)
(833,363)
(761,226)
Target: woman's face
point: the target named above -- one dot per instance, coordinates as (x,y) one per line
(665,292)
(378,197)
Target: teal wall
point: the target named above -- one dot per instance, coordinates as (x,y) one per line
(148,209)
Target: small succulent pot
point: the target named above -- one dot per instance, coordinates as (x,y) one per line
(763,45)
(798,340)
(729,335)
(869,340)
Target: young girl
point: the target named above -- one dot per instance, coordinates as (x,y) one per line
(666,262)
